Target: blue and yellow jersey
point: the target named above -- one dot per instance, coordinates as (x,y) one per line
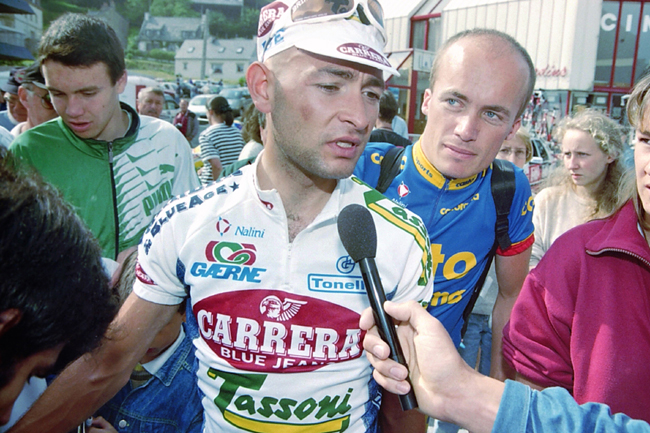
(459,215)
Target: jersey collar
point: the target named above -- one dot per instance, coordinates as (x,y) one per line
(430,173)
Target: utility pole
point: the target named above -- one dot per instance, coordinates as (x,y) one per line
(206,35)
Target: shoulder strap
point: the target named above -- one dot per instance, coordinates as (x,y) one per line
(503,192)
(389,168)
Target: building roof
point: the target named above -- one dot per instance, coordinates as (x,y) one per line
(14,52)
(403,8)
(15,7)
(464,4)
(172,27)
(218,49)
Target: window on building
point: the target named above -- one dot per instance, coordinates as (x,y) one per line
(606,43)
(643,55)
(240,67)
(426,32)
(240,50)
(191,49)
(434,38)
(419,28)
(217,68)
(623,43)
(221,50)
(628,30)
(185,66)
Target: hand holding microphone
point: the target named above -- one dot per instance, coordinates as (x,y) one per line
(359,236)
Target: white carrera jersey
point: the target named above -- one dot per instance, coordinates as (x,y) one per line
(279,346)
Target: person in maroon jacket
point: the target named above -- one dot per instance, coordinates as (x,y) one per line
(186,121)
(582,320)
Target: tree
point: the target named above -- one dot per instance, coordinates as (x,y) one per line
(245,27)
(133,10)
(172,8)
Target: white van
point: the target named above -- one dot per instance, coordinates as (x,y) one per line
(134,84)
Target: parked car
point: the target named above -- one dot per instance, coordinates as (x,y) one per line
(169,87)
(211,88)
(238,98)
(169,109)
(540,166)
(197,106)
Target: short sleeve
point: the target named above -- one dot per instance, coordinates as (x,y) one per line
(159,271)
(520,218)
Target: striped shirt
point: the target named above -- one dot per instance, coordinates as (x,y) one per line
(219,141)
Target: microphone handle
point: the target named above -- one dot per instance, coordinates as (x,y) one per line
(384,322)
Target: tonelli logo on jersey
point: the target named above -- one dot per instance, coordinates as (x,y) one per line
(228,261)
(274,331)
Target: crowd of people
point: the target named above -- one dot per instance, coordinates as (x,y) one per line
(225,300)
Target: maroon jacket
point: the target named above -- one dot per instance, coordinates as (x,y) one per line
(582,320)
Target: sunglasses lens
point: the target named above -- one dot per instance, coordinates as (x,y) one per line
(376,11)
(320,8)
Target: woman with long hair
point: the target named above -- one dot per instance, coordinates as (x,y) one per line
(582,320)
(586,185)
(221,142)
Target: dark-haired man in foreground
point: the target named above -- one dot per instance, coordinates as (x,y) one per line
(55,302)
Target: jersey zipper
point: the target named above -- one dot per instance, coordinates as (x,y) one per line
(618,250)
(114,194)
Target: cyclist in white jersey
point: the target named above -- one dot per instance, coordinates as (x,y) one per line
(276,298)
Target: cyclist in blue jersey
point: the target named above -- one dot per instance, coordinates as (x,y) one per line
(481,81)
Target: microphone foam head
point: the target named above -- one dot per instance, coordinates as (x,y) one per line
(357,231)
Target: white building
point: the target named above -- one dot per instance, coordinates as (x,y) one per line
(225,59)
(20,31)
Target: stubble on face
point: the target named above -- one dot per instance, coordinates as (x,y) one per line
(302,121)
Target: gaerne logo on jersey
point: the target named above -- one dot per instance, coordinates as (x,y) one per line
(228,261)
(276,331)
(142,276)
(268,15)
(231,252)
(363,52)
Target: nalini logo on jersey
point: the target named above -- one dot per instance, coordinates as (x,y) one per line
(276,331)
(228,261)
(403,190)
(249,232)
(223,225)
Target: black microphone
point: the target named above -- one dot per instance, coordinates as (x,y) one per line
(359,236)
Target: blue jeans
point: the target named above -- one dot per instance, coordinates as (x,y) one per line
(478,334)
